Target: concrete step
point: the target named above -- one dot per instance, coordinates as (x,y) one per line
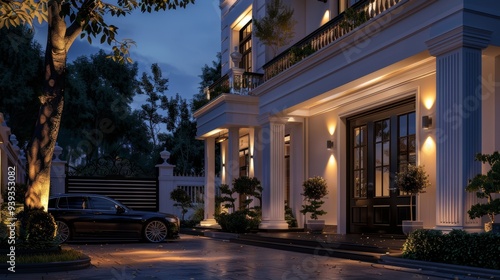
(335,249)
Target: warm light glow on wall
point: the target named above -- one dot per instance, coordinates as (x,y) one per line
(429,101)
(326,17)
(331,125)
(429,146)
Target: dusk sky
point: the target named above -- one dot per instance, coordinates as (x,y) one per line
(181,41)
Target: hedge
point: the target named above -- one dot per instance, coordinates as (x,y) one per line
(457,247)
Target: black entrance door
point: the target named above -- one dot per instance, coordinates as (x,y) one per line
(381,143)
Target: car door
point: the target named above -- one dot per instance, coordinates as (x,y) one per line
(74,210)
(112,223)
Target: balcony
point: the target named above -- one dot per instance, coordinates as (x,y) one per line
(327,34)
(243,84)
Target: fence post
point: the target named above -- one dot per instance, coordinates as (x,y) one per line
(58,172)
(165,184)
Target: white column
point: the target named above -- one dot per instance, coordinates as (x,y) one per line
(273,173)
(209,194)
(297,169)
(458,122)
(57,173)
(165,184)
(233,163)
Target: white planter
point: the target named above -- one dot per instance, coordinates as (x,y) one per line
(409,226)
(316,225)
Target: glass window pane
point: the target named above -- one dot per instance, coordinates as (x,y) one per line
(378,131)
(378,181)
(378,154)
(386,153)
(357,158)
(402,125)
(412,123)
(386,181)
(363,183)
(387,130)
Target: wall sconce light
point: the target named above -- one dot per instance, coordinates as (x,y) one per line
(221,139)
(223,164)
(329,145)
(426,122)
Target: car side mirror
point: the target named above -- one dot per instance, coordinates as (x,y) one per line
(119,209)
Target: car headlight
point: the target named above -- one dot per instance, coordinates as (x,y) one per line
(171,220)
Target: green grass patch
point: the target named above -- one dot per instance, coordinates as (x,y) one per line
(63,255)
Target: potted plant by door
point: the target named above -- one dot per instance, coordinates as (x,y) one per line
(413,180)
(315,189)
(485,185)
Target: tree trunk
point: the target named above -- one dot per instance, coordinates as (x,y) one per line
(41,146)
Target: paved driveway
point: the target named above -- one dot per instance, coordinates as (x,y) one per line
(195,257)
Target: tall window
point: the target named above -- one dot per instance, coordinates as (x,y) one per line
(246,47)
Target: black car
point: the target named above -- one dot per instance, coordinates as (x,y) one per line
(81,215)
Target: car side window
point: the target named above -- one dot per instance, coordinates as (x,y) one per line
(77,202)
(63,203)
(99,203)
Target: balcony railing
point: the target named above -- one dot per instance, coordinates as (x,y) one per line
(234,84)
(327,34)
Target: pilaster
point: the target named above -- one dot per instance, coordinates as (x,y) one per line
(458,122)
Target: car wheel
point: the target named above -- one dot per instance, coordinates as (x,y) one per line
(155,231)
(63,232)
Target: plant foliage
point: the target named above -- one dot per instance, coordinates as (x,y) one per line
(413,180)
(485,186)
(457,247)
(183,200)
(275,29)
(37,229)
(315,189)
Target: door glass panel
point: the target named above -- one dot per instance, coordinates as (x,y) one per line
(407,146)
(359,167)
(382,157)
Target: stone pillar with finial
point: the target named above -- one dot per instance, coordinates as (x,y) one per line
(58,172)
(165,183)
(236,73)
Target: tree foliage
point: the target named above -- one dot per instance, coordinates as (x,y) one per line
(21,64)
(67,20)
(154,88)
(486,186)
(276,28)
(209,75)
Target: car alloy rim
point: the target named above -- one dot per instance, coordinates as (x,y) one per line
(62,232)
(156,231)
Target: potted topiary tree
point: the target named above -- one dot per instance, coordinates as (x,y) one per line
(315,189)
(413,180)
(485,186)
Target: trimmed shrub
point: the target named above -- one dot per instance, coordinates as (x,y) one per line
(457,247)
(37,229)
(240,221)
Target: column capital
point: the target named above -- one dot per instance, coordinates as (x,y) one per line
(268,118)
(463,36)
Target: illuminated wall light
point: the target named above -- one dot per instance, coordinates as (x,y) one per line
(429,102)
(330,145)
(426,122)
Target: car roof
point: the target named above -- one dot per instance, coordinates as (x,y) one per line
(77,194)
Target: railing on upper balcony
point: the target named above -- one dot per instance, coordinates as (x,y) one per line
(327,34)
(234,84)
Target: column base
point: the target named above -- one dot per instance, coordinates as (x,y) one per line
(447,229)
(212,223)
(273,224)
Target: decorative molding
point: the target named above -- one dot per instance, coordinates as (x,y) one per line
(463,36)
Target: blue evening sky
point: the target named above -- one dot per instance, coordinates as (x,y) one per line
(181,41)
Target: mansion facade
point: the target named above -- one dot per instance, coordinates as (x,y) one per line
(413,82)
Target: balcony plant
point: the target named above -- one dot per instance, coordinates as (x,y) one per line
(412,180)
(485,186)
(315,188)
(276,28)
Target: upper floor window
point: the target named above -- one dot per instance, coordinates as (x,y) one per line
(246,47)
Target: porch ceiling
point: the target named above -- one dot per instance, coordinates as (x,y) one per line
(228,110)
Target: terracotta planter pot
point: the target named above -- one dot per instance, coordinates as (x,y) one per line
(409,226)
(315,226)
